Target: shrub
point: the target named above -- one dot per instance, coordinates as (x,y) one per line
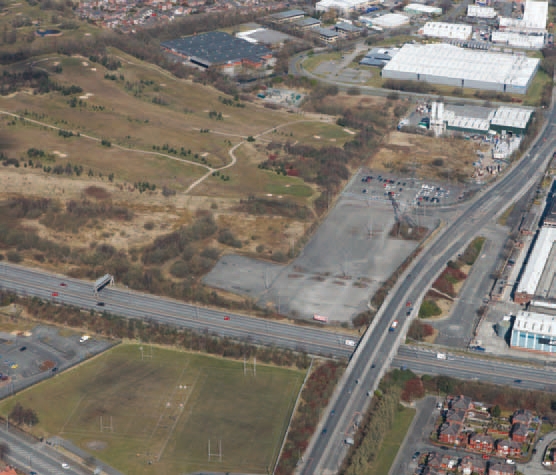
(149,225)
(179,269)
(429,308)
(14,256)
(225,236)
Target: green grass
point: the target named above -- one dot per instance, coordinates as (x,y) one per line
(302,191)
(313,61)
(505,215)
(152,415)
(392,441)
(534,93)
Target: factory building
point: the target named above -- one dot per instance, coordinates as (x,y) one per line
(477,11)
(287,16)
(378,56)
(518,40)
(534,332)
(460,67)
(342,6)
(538,275)
(420,9)
(439,29)
(511,119)
(220,49)
(533,21)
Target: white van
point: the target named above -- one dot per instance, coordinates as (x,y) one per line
(350,342)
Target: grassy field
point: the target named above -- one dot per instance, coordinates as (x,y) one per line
(392,441)
(166,409)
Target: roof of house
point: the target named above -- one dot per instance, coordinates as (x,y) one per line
(522,415)
(450,428)
(520,429)
(456,415)
(461,402)
(502,468)
(481,438)
(508,443)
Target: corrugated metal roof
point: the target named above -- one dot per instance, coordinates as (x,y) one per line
(537,323)
(537,260)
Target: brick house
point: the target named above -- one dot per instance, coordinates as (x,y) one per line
(501,469)
(470,464)
(461,402)
(481,443)
(522,416)
(449,432)
(508,448)
(434,471)
(8,471)
(520,432)
(434,460)
(455,415)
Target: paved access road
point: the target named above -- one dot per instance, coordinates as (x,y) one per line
(126,303)
(29,455)
(327,448)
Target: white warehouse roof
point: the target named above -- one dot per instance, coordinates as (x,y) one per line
(511,117)
(439,29)
(448,64)
(340,5)
(537,323)
(418,7)
(481,12)
(537,260)
(518,40)
(534,18)
(390,20)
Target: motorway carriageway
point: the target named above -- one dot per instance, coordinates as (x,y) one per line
(32,282)
(491,370)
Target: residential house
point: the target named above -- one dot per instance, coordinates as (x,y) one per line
(461,402)
(501,469)
(470,464)
(434,471)
(8,471)
(481,443)
(508,448)
(523,416)
(455,415)
(520,432)
(449,432)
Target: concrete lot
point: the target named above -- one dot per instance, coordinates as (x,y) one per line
(23,367)
(342,266)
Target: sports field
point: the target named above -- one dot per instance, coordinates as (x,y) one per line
(156,415)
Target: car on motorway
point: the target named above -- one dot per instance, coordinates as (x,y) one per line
(65,466)
(84,338)
(517,381)
(54,294)
(100,304)
(324,431)
(393,326)
(23,348)
(226,318)
(63,284)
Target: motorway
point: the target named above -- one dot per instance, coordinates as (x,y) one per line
(126,303)
(376,350)
(30,455)
(537,378)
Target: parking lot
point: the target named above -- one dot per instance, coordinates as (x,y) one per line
(39,354)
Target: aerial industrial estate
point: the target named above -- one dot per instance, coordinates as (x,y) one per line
(296,239)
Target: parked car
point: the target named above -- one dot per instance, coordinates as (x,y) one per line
(23,348)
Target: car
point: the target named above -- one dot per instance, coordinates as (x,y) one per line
(14,366)
(226,318)
(534,451)
(373,366)
(84,338)
(541,439)
(65,466)
(54,369)
(408,303)
(100,304)
(517,381)
(33,473)
(63,284)
(416,455)
(364,190)
(54,294)
(324,431)
(444,447)
(23,348)
(510,462)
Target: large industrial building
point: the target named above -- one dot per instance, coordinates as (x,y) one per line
(389,20)
(537,278)
(517,40)
(343,6)
(439,29)
(420,9)
(460,67)
(217,48)
(533,21)
(534,332)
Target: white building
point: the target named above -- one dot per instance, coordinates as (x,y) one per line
(389,20)
(534,332)
(437,124)
(477,11)
(531,277)
(342,6)
(460,67)
(439,29)
(420,9)
(533,21)
(518,40)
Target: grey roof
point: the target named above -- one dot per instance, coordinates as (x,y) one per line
(270,37)
(468,110)
(366,61)
(216,47)
(287,14)
(347,27)
(307,22)
(326,32)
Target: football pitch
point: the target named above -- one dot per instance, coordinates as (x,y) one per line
(148,410)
